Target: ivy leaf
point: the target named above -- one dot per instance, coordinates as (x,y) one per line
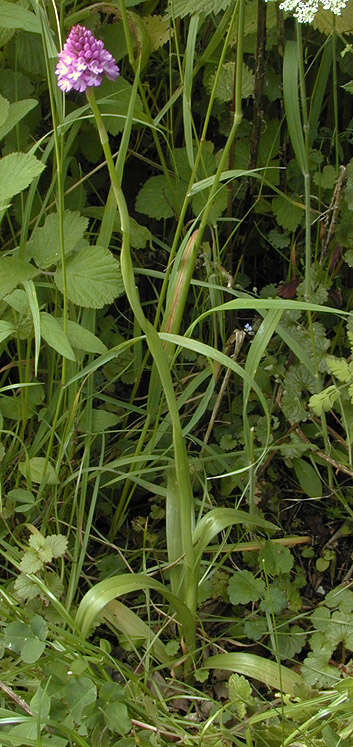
(291,640)
(274,600)
(255,628)
(243,588)
(45,245)
(276,558)
(288,216)
(317,671)
(93,277)
(326,179)
(80,692)
(117,718)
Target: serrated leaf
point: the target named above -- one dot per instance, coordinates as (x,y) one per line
(16,112)
(326,179)
(17,171)
(45,244)
(93,277)
(158,29)
(243,588)
(308,478)
(225,85)
(57,544)
(288,216)
(239,692)
(343,21)
(181,8)
(159,198)
(339,368)
(317,671)
(13,272)
(276,558)
(39,544)
(25,588)
(54,335)
(31,562)
(323,401)
(33,470)
(82,339)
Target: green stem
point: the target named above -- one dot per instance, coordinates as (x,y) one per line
(334,88)
(306,174)
(160,359)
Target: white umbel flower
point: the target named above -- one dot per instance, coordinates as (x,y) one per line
(305,12)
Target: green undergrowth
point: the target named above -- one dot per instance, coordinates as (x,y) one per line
(176,378)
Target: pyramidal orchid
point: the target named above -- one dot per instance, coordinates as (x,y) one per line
(83,62)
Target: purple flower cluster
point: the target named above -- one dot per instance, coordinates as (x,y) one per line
(83,61)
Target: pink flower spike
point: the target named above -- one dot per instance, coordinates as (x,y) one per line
(83,61)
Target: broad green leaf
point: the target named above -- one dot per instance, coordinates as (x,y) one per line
(291,103)
(6,329)
(14,16)
(32,650)
(221,518)
(82,339)
(17,171)
(274,600)
(16,112)
(33,470)
(308,478)
(135,629)
(13,272)
(40,704)
(100,594)
(54,335)
(243,587)
(266,671)
(93,277)
(45,243)
(31,562)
